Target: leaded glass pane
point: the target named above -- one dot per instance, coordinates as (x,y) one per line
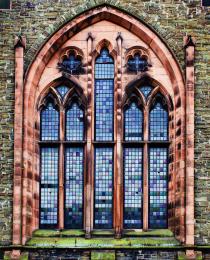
(104,110)
(158,172)
(104,66)
(71,64)
(146,90)
(62,90)
(49,123)
(74,187)
(132,187)
(104,97)
(103,187)
(49,186)
(74,123)
(158,123)
(133,123)
(137,63)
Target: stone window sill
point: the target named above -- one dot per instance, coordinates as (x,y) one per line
(103,239)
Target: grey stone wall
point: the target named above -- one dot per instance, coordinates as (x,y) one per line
(171,19)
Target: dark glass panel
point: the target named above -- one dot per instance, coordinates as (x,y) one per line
(158,186)
(158,123)
(49,123)
(205,2)
(74,123)
(103,187)
(49,187)
(74,187)
(133,123)
(4,4)
(146,90)
(62,90)
(137,63)
(132,188)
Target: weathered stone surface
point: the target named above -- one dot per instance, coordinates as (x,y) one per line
(171,19)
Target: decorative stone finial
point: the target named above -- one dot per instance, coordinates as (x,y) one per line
(119,36)
(20,41)
(90,36)
(189,41)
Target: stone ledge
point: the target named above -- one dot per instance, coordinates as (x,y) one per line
(103,242)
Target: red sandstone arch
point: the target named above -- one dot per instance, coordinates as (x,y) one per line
(28,211)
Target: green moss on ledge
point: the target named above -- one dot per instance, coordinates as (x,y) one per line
(150,233)
(105,242)
(58,233)
(102,233)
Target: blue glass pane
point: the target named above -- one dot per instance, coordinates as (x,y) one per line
(72,64)
(62,90)
(133,188)
(104,96)
(104,67)
(49,123)
(158,161)
(137,63)
(103,187)
(49,186)
(104,102)
(145,90)
(133,123)
(104,57)
(74,123)
(74,187)
(104,71)
(158,123)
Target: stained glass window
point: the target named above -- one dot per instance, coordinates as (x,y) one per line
(133,123)
(49,123)
(49,186)
(62,90)
(158,123)
(103,187)
(133,188)
(158,161)
(74,123)
(146,90)
(74,187)
(104,97)
(137,63)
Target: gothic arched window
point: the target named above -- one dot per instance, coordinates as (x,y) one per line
(62,159)
(145,158)
(103,132)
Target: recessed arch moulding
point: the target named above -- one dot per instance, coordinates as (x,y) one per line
(88,33)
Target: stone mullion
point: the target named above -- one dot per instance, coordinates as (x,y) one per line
(61,173)
(18,139)
(118,194)
(190,82)
(89,182)
(146,171)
